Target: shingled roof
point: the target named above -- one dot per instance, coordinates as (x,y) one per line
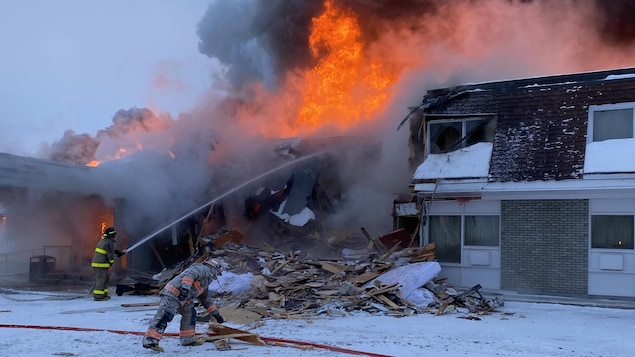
(541,125)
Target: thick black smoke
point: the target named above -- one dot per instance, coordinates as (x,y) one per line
(615,23)
(267,37)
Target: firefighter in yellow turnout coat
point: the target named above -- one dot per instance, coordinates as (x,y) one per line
(103,259)
(177,296)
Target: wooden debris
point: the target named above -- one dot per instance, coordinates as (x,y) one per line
(222,344)
(220,332)
(292,286)
(373,241)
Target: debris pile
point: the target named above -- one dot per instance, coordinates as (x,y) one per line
(290,285)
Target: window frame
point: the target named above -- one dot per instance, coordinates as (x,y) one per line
(629,246)
(610,207)
(607,107)
(463,246)
(461,118)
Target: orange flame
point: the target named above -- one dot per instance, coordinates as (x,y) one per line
(345,88)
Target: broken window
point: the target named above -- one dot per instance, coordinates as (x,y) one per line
(450,134)
(612,124)
(612,231)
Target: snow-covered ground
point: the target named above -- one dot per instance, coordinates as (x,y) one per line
(519,329)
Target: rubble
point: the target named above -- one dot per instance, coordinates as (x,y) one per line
(294,286)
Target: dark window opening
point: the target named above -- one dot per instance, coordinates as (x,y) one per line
(450,135)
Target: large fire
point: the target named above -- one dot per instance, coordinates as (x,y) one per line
(345,87)
(363,53)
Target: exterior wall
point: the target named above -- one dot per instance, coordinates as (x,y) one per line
(479,264)
(544,246)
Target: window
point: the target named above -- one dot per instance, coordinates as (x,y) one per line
(614,231)
(482,231)
(447,135)
(446,231)
(613,121)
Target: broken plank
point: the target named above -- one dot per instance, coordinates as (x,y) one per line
(383,299)
(334,268)
(385,289)
(219,329)
(231,335)
(279,267)
(444,305)
(364,278)
(376,242)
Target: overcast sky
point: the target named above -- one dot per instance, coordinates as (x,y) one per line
(71,64)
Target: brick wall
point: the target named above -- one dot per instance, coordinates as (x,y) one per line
(544,246)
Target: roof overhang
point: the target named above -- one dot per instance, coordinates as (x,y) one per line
(617,186)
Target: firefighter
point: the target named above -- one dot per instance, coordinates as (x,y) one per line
(177,296)
(103,259)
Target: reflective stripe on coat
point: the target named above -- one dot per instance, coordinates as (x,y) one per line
(196,278)
(104,255)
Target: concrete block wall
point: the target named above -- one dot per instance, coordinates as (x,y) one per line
(544,246)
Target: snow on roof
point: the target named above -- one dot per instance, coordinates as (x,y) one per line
(609,156)
(620,76)
(472,162)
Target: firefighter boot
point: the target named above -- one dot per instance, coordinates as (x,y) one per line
(151,343)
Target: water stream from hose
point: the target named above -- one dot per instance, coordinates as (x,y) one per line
(237,188)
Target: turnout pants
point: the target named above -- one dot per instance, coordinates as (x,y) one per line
(100,291)
(168,307)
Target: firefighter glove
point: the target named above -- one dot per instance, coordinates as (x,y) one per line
(218,317)
(184,294)
(119,253)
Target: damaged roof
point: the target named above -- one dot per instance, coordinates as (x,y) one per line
(541,123)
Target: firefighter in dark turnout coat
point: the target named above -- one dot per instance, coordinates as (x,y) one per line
(103,259)
(177,296)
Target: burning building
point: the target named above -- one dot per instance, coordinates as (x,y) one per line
(316,70)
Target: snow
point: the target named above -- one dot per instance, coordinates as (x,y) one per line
(472,161)
(298,220)
(606,156)
(619,76)
(519,329)
(609,156)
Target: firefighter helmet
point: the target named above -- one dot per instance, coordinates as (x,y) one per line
(109,232)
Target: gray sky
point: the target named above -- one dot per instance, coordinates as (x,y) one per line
(71,64)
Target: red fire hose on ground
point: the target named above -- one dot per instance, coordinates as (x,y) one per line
(266,339)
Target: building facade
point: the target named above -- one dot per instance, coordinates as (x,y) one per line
(529,185)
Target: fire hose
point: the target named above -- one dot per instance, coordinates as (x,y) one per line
(270,340)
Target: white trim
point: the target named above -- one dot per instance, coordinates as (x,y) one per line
(577,188)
